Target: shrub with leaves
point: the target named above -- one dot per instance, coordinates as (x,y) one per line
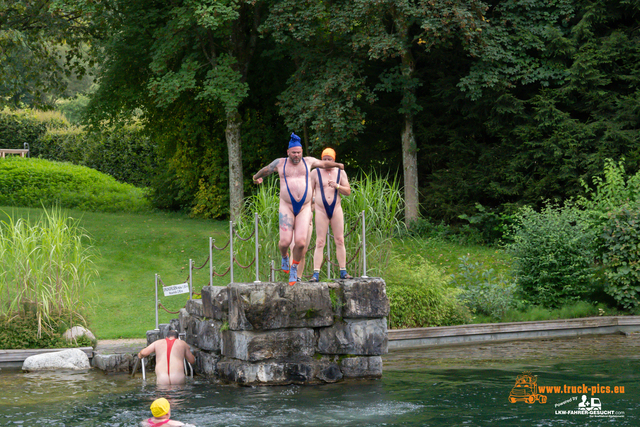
(21,332)
(610,191)
(620,251)
(420,295)
(483,291)
(35,182)
(553,255)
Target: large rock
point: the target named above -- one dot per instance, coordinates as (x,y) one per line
(215,302)
(77,332)
(74,359)
(260,345)
(268,306)
(362,367)
(195,307)
(364,298)
(279,372)
(354,336)
(209,335)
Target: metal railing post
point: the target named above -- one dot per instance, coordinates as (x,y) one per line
(190,278)
(231,248)
(257,259)
(156,300)
(210,261)
(364,247)
(272,276)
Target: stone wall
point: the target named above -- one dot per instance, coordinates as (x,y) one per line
(273,333)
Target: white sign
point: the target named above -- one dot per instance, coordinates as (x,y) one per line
(182,288)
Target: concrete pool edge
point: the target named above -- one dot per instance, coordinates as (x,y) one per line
(465,334)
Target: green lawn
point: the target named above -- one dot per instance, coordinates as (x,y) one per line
(133,247)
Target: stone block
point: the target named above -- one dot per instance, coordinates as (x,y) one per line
(268,306)
(206,364)
(183,318)
(361,367)
(164,328)
(208,335)
(275,344)
(280,372)
(121,362)
(215,302)
(354,336)
(364,298)
(195,307)
(153,336)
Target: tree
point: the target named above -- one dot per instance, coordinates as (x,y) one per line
(32,64)
(185,54)
(390,31)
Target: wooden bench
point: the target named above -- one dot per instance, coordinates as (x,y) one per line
(5,151)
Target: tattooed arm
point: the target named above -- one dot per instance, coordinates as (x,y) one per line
(266,171)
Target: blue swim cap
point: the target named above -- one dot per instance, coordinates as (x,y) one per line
(294,141)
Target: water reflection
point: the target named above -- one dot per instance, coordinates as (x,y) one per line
(454,386)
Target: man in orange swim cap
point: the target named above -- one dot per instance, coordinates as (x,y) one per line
(329,185)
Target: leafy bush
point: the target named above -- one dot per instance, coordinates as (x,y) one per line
(420,296)
(611,191)
(482,291)
(18,128)
(553,255)
(620,252)
(21,332)
(35,182)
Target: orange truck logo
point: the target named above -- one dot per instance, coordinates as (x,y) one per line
(526,390)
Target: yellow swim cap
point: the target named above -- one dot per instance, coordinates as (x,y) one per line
(329,152)
(160,407)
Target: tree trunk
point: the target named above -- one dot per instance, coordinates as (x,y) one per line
(236,179)
(410,167)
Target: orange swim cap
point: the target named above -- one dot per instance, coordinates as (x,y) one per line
(329,152)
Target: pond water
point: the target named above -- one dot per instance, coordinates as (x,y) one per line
(445,386)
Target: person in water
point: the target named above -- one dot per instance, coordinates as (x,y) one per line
(295,201)
(170,355)
(161,411)
(329,185)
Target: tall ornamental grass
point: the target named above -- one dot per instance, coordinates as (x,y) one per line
(46,267)
(379,197)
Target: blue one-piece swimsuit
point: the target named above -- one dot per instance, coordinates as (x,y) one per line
(297,205)
(328,207)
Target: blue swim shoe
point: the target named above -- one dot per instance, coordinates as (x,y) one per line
(315,277)
(293,274)
(285,264)
(345,275)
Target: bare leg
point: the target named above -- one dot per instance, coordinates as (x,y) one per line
(337,226)
(286,219)
(322,225)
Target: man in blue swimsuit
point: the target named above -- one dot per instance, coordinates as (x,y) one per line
(295,201)
(329,185)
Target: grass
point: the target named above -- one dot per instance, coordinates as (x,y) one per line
(131,249)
